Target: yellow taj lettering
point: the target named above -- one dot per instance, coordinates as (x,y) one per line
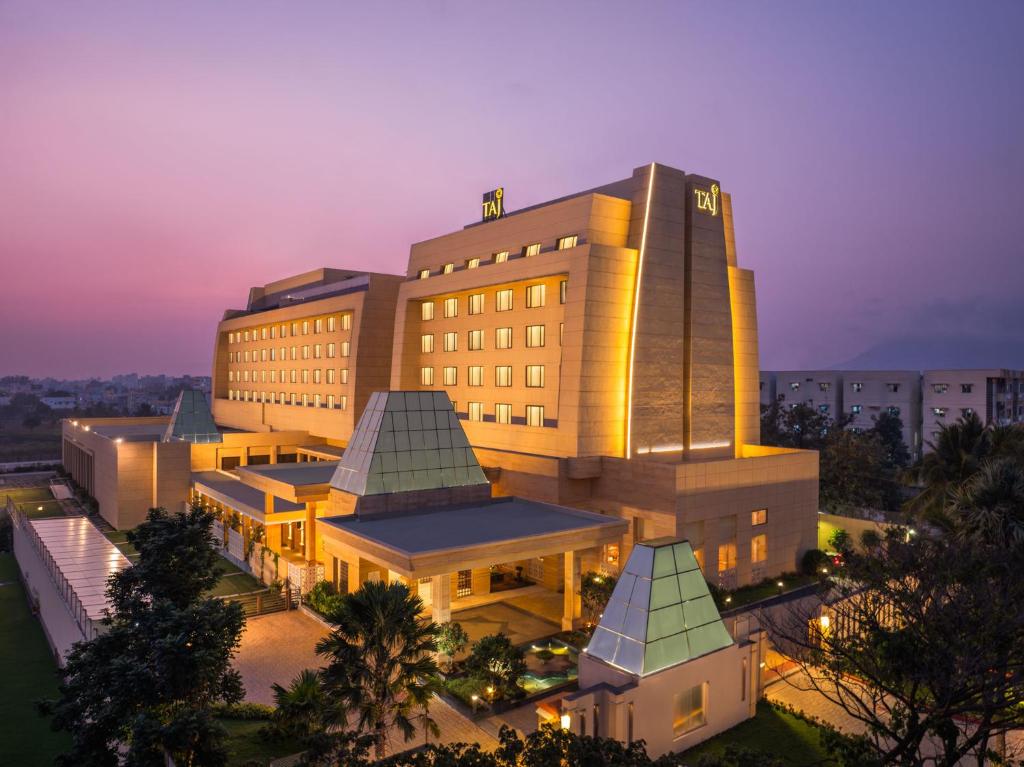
(707,201)
(492,207)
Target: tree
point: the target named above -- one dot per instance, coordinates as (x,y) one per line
(922,643)
(499,663)
(451,640)
(989,507)
(840,540)
(889,430)
(855,473)
(144,688)
(595,591)
(380,660)
(956,454)
(797,426)
(303,708)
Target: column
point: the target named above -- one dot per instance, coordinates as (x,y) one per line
(571,610)
(310,533)
(441,598)
(273,454)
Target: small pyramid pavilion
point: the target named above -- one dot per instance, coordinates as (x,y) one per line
(661,612)
(192,420)
(407,441)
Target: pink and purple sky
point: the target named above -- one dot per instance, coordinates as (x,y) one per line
(157,159)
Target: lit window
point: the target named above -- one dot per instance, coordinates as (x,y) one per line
(332,324)
(503,338)
(305,400)
(824,385)
(532,249)
(822,408)
(330,401)
(344,402)
(534,415)
(892,410)
(273,376)
(272,400)
(940,388)
(273,335)
(535,376)
(273,354)
(330,375)
(967,411)
(476,375)
(316,376)
(294,398)
(476,340)
(305,327)
(476,303)
(534,336)
(305,376)
(305,352)
(856,409)
(476,411)
(346,322)
(344,375)
(758,516)
(451,307)
(284,354)
(451,375)
(247,355)
(472,263)
(263,355)
(501,257)
(318,351)
(448,268)
(688,711)
(564,243)
(892,388)
(316,400)
(284,331)
(346,348)
(295,352)
(503,300)
(563,287)
(451,341)
(727,557)
(427,343)
(503,412)
(263,334)
(294,375)
(759,548)
(318,325)
(534,296)
(247,335)
(503,375)
(332,350)
(424,273)
(426,376)
(939,411)
(427,310)
(794,385)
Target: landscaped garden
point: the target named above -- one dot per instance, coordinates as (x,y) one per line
(33,502)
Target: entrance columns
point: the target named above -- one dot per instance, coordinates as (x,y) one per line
(571,605)
(441,598)
(310,532)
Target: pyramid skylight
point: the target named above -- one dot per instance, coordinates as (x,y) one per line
(191,420)
(407,441)
(661,612)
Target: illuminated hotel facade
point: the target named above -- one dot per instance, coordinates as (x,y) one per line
(599,351)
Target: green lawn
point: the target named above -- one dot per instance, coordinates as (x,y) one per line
(774,731)
(764,590)
(246,745)
(234,580)
(120,539)
(28,671)
(26,494)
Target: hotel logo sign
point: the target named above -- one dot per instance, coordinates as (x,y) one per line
(707,199)
(494,204)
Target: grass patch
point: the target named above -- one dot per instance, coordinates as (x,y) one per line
(27,494)
(246,746)
(772,731)
(120,539)
(8,568)
(41,509)
(28,671)
(766,589)
(236,583)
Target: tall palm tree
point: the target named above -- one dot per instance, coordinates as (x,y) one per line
(381,663)
(957,453)
(989,507)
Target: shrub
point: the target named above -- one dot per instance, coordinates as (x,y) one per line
(496,661)
(323,598)
(813,561)
(595,591)
(250,712)
(870,538)
(840,540)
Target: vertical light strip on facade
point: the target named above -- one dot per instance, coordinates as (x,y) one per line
(636,309)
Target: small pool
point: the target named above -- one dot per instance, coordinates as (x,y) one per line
(550,663)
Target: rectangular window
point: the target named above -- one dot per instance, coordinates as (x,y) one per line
(346,348)
(424,273)
(283,354)
(427,343)
(451,307)
(318,351)
(346,323)
(451,375)
(758,517)
(263,355)
(330,401)
(534,415)
(472,263)
(318,325)
(305,376)
(940,388)
(284,331)
(569,241)
(247,335)
(824,385)
(295,352)
(273,333)
(476,411)
(688,711)
(476,340)
(316,376)
(464,583)
(448,268)
(344,402)
(451,341)
(501,257)
(305,352)
(727,557)
(476,375)
(535,376)
(759,548)
(534,336)
(503,412)
(316,400)
(427,310)
(503,338)
(532,249)
(503,375)
(503,300)
(305,327)
(273,354)
(332,324)
(330,375)
(294,398)
(855,409)
(534,296)
(293,375)
(563,288)
(966,388)
(295,329)
(426,376)
(892,388)
(332,350)
(305,400)
(344,375)
(476,303)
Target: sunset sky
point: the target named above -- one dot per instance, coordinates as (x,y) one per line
(158,159)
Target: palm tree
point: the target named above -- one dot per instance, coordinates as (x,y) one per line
(956,455)
(381,663)
(989,507)
(303,708)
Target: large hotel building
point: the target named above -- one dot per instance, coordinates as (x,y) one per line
(599,353)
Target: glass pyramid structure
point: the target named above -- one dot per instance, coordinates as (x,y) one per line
(407,441)
(192,420)
(660,614)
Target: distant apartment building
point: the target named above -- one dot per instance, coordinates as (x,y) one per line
(60,403)
(995,395)
(819,389)
(867,394)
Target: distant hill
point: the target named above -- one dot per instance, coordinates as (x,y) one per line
(930,352)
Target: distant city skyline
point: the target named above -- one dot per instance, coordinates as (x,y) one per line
(157,161)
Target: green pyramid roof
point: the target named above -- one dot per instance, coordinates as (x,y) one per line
(661,612)
(407,441)
(192,420)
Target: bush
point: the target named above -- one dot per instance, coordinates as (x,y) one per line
(870,538)
(496,661)
(323,598)
(249,712)
(465,687)
(813,561)
(840,540)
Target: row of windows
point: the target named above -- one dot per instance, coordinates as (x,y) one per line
(274,354)
(533,415)
(942,388)
(270,332)
(318,375)
(892,410)
(941,411)
(475,376)
(892,388)
(330,401)
(501,256)
(727,552)
(535,338)
(503,301)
